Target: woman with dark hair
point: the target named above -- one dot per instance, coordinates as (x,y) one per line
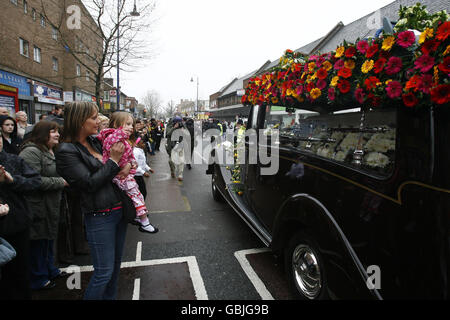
(79,162)
(16,179)
(11,142)
(38,152)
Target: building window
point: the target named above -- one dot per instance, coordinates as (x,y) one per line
(37,54)
(42,21)
(23,47)
(55,64)
(78,70)
(14,2)
(88,75)
(33,14)
(25,6)
(54,33)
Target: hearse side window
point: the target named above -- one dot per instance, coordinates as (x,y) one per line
(336,136)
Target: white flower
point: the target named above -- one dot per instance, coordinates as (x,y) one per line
(376,159)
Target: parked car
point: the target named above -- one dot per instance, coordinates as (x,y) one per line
(361,197)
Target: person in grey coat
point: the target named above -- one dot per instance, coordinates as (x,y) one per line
(44,203)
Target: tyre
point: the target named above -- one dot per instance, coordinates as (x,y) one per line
(305,268)
(217,196)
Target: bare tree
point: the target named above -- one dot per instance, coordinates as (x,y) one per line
(170,109)
(152,103)
(103,19)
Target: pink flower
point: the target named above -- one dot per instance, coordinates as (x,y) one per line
(425,83)
(331,94)
(299,90)
(321,84)
(360,95)
(393,66)
(406,39)
(424,63)
(339,64)
(394,89)
(362,46)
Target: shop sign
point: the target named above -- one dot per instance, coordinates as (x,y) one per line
(16,81)
(48,94)
(68,96)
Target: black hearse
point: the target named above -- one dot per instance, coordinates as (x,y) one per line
(360,205)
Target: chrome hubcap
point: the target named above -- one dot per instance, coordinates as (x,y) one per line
(306,271)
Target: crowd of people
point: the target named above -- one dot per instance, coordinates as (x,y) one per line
(62,186)
(62,183)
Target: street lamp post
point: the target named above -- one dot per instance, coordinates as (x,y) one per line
(196,101)
(133,14)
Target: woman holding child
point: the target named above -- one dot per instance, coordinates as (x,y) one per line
(79,162)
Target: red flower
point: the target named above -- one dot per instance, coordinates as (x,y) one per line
(345,73)
(409,99)
(350,52)
(426,81)
(372,50)
(413,82)
(310,86)
(321,84)
(362,46)
(441,94)
(360,95)
(406,38)
(339,64)
(424,63)
(344,86)
(445,65)
(443,31)
(379,65)
(322,73)
(394,65)
(429,46)
(394,89)
(371,83)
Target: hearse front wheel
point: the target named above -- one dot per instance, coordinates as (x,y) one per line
(304,267)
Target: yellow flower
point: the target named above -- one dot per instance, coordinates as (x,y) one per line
(327,65)
(334,81)
(387,81)
(436,75)
(315,93)
(274,100)
(350,64)
(311,66)
(388,43)
(339,52)
(427,33)
(447,51)
(289,92)
(367,66)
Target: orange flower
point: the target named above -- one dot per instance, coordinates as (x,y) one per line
(345,73)
(350,64)
(315,93)
(322,73)
(443,31)
(413,82)
(327,65)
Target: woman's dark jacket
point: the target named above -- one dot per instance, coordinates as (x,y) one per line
(26,180)
(14,146)
(91,178)
(44,203)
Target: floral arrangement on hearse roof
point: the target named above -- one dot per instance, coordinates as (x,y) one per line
(400,67)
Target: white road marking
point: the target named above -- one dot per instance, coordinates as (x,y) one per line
(139,251)
(194,270)
(137,289)
(251,274)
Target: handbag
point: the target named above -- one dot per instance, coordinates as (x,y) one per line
(7,252)
(128,208)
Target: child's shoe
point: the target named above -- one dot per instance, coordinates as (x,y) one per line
(148,228)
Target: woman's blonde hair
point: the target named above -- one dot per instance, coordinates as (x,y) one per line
(75,115)
(119,118)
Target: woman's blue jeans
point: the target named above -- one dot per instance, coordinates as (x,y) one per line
(106,239)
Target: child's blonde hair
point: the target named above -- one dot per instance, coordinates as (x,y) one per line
(119,118)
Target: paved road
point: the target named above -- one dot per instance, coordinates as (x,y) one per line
(202,251)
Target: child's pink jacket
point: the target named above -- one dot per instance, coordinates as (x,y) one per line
(110,136)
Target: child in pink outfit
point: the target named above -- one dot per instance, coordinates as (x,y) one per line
(109,137)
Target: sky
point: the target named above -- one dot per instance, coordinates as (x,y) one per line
(219,40)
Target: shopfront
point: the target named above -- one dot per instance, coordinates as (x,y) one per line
(47,98)
(18,85)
